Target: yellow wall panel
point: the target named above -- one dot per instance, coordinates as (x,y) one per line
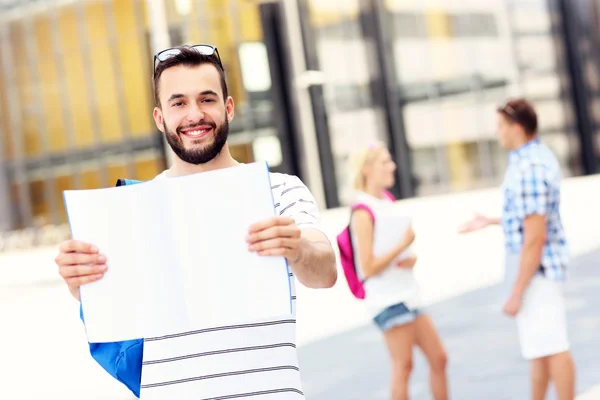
(116,171)
(77,94)
(62,183)
(249,20)
(39,205)
(135,64)
(148,169)
(26,101)
(438,23)
(90,179)
(102,73)
(50,95)
(324,13)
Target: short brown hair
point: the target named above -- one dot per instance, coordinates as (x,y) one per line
(189,58)
(521,112)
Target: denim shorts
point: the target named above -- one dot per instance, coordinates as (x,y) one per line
(396,315)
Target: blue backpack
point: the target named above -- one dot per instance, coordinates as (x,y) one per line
(122,360)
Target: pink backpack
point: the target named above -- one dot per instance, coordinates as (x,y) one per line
(347,257)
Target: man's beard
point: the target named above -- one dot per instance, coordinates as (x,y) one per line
(200,155)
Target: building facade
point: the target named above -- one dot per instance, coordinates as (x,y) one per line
(313,80)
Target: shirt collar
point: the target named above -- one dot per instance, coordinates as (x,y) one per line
(524,150)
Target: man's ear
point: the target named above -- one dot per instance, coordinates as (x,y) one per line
(229,109)
(158,119)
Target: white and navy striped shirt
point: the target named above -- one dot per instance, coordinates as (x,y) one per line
(255,360)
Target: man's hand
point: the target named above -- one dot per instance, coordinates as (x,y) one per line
(512,305)
(79,263)
(477,223)
(278,236)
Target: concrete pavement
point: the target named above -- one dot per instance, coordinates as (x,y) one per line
(482,344)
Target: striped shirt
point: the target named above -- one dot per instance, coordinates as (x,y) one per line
(255,360)
(532,186)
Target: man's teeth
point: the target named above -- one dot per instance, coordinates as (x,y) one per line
(196,133)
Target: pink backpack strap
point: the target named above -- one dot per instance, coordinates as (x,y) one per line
(389,195)
(362,206)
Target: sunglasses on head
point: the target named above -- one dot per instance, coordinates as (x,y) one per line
(205,49)
(510,111)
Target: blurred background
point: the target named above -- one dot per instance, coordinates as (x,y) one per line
(313,80)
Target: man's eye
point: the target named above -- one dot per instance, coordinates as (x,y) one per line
(178,104)
(207,100)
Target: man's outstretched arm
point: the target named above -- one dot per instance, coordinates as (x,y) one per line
(315,266)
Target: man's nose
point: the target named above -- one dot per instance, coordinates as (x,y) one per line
(195,114)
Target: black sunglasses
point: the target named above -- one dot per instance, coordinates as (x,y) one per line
(205,49)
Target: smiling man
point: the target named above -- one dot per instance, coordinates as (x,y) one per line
(536,250)
(193,110)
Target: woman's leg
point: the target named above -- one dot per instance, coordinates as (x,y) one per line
(430,343)
(400,341)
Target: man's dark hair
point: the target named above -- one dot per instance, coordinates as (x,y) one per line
(189,58)
(521,112)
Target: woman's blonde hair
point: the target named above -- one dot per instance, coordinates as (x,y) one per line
(361,159)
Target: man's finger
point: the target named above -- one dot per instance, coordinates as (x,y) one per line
(271,222)
(71,246)
(82,270)
(277,243)
(80,259)
(274,232)
(279,252)
(82,280)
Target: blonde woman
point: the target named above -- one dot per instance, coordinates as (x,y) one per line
(391,291)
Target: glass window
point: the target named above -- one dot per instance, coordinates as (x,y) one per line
(409,25)
(353,117)
(537,52)
(473,25)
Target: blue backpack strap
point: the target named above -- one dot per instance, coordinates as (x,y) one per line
(122,360)
(124,182)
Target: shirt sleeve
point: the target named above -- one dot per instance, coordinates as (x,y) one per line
(531,191)
(297,202)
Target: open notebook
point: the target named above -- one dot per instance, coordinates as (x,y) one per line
(177,255)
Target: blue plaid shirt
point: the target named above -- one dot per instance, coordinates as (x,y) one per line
(532,186)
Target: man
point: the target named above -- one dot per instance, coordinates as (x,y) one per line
(536,250)
(193,110)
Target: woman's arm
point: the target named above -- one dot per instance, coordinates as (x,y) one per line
(363,230)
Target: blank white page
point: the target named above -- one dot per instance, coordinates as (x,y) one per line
(177,254)
(124,224)
(224,283)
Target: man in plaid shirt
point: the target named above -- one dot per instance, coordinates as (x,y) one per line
(536,250)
